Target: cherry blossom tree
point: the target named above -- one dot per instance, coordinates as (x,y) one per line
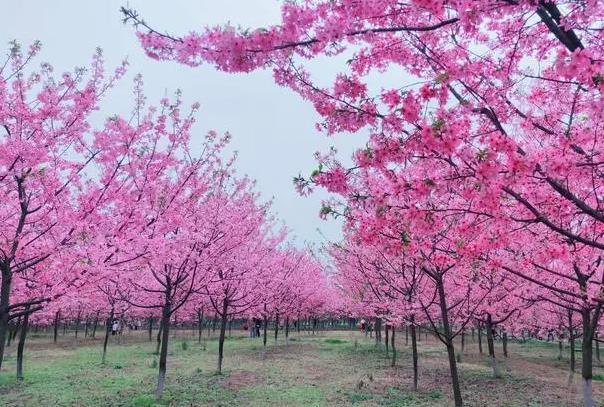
(475,101)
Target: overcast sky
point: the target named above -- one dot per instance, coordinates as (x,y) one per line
(272,128)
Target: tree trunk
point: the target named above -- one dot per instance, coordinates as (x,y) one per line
(449,341)
(107,331)
(96,323)
(597,347)
(12,328)
(199,325)
(505,344)
(587,359)
(5,288)
(393,346)
(150,328)
(407,335)
(491,346)
(158,338)
(77,324)
(265,323)
(163,354)
(571,340)
(276,327)
(463,345)
(56,326)
(414,353)
(386,337)
(479,339)
(21,345)
(286,331)
(223,323)
(86,327)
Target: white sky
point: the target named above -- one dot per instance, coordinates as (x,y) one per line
(272,128)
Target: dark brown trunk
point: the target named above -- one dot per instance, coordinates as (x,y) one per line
(150,328)
(571,342)
(158,338)
(199,325)
(448,336)
(265,324)
(479,339)
(163,353)
(77,324)
(491,346)
(504,340)
(21,345)
(56,326)
(223,323)
(276,327)
(386,337)
(414,353)
(587,359)
(5,287)
(107,332)
(95,325)
(393,346)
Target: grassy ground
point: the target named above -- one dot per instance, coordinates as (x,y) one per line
(328,369)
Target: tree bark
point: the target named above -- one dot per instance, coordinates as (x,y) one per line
(386,337)
(587,359)
(77,324)
(56,326)
(505,344)
(199,325)
(571,340)
(491,346)
(95,325)
(163,354)
(448,335)
(414,353)
(286,331)
(21,345)
(5,288)
(276,327)
(393,346)
(265,323)
(223,323)
(479,339)
(158,338)
(107,331)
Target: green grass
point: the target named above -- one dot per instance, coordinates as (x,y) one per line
(337,369)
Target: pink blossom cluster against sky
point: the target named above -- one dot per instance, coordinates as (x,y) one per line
(272,129)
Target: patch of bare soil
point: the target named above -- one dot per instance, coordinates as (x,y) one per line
(240,379)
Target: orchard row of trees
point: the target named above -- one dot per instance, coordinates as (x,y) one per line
(478,194)
(125,218)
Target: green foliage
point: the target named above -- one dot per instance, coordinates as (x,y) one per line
(184,345)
